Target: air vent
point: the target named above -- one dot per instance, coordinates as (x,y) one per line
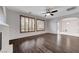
(72,8)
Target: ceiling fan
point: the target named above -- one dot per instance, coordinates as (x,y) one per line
(49,11)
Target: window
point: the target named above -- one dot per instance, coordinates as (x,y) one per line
(22,24)
(40,25)
(27,24)
(31,24)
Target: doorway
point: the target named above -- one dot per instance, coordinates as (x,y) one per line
(69,26)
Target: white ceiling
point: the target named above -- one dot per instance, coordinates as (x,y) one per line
(38,10)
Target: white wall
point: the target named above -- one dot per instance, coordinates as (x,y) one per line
(1,15)
(13,19)
(5,39)
(5,33)
(52,25)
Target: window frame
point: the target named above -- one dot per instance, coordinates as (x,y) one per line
(36,25)
(25,24)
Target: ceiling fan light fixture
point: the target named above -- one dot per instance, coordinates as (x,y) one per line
(47,14)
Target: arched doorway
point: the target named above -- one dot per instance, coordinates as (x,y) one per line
(69,26)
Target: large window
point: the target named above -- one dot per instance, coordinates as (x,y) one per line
(27,24)
(40,25)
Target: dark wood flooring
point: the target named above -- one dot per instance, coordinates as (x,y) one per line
(46,43)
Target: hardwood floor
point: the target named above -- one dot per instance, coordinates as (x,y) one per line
(46,43)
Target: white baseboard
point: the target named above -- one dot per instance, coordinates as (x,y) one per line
(74,34)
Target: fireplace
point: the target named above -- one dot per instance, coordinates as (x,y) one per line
(0,40)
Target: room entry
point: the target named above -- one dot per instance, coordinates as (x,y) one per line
(70,26)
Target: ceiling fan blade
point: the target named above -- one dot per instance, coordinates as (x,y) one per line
(51,14)
(54,11)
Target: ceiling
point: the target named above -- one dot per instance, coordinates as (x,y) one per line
(38,10)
